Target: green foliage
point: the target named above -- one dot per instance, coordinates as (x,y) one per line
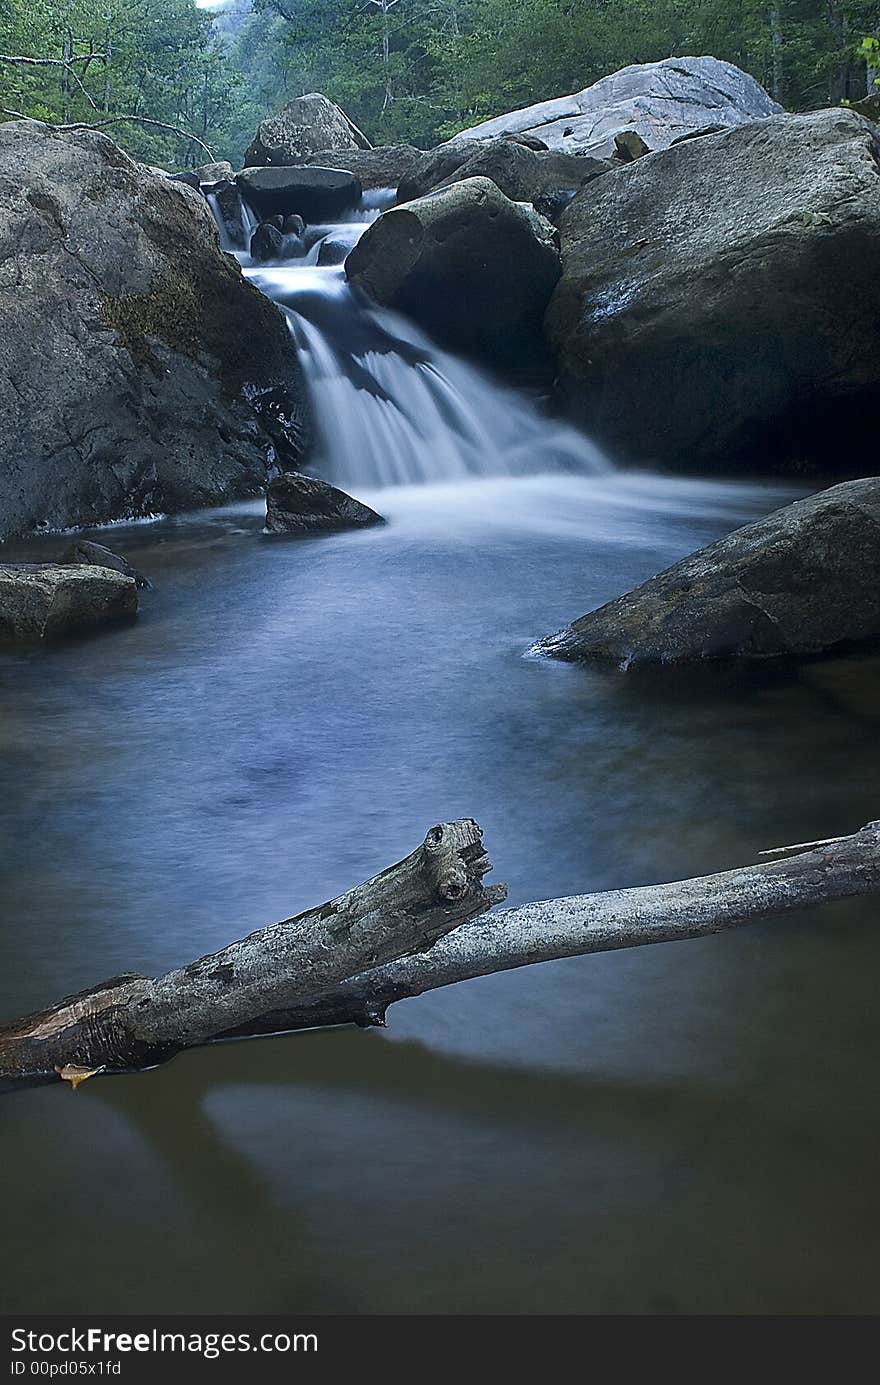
(415,70)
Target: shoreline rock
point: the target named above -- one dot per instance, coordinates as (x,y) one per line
(42,601)
(299,504)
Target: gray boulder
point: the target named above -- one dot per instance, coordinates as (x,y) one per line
(384,167)
(133,353)
(719,304)
(43,600)
(472,267)
(659,101)
(303,127)
(297,504)
(218,172)
(804,581)
(85,551)
(316,194)
(545,178)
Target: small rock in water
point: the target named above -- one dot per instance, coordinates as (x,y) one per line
(85,551)
(803,581)
(298,504)
(40,601)
(267,242)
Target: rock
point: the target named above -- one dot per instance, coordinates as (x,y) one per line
(545,178)
(806,580)
(85,551)
(133,354)
(43,600)
(698,134)
(659,101)
(384,167)
(868,106)
(267,242)
(297,504)
(629,145)
(719,305)
(530,141)
(472,267)
(338,245)
(219,172)
(188,178)
(293,225)
(303,127)
(316,194)
(230,211)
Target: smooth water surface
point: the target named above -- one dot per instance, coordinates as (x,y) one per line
(684,1128)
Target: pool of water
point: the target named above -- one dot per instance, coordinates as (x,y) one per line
(685,1128)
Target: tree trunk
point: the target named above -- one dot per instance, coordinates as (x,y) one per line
(407,931)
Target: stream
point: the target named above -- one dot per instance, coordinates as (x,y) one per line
(682,1128)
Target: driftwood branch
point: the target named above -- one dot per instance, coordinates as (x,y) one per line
(410,930)
(133,1022)
(113,120)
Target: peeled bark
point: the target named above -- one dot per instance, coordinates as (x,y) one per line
(407,931)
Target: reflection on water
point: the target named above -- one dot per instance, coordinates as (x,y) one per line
(681,1128)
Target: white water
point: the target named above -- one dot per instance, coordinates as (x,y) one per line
(390,407)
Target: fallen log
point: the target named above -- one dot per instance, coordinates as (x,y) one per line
(132,1022)
(408,931)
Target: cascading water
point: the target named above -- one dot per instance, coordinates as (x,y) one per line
(390,407)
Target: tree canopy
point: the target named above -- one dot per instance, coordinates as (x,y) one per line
(415,70)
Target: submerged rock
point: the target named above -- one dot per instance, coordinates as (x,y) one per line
(472,267)
(805,580)
(43,600)
(659,101)
(297,504)
(719,303)
(317,194)
(85,551)
(133,353)
(303,127)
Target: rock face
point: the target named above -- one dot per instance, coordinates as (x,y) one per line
(384,167)
(85,551)
(303,127)
(132,351)
(803,581)
(316,194)
(472,267)
(43,600)
(659,101)
(719,303)
(547,179)
(297,504)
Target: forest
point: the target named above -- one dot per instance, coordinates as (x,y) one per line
(411,71)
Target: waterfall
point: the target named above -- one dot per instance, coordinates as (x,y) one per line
(391,408)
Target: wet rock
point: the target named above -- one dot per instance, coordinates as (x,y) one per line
(85,551)
(230,209)
(545,178)
(719,305)
(314,193)
(293,225)
(44,600)
(297,504)
(267,242)
(132,350)
(303,127)
(803,581)
(659,101)
(472,267)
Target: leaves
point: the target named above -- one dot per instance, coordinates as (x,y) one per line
(76,1075)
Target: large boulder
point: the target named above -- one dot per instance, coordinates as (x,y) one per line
(132,351)
(803,581)
(546,178)
(297,504)
(316,194)
(659,101)
(303,127)
(384,167)
(472,267)
(43,600)
(720,304)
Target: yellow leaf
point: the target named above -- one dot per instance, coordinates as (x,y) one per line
(74,1075)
